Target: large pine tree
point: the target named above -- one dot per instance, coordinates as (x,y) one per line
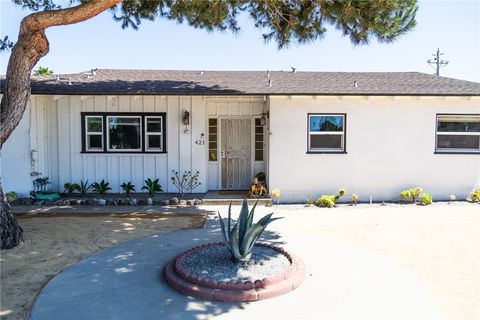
(283,21)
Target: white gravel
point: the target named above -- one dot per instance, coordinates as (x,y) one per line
(214,263)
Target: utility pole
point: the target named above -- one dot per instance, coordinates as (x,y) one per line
(437,63)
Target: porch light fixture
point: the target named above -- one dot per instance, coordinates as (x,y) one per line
(186,118)
(263,118)
(186,121)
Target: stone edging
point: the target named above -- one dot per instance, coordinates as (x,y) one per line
(208,289)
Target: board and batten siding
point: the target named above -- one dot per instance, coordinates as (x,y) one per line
(57,137)
(390,145)
(49,141)
(245,106)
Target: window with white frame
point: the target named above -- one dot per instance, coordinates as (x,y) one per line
(153,133)
(458,133)
(326,133)
(123,132)
(93,133)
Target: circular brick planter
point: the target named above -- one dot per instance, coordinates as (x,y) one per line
(256,290)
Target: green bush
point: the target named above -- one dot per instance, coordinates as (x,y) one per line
(71,187)
(326,200)
(11,196)
(411,194)
(425,199)
(152,186)
(475,195)
(101,188)
(127,187)
(329,200)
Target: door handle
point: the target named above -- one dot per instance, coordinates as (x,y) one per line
(223,154)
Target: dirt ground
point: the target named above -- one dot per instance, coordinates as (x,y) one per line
(439,243)
(53,243)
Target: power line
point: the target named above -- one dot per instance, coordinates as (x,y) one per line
(436,62)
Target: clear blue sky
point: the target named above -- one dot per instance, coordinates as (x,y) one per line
(453,26)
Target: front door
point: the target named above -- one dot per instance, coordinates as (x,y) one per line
(236,153)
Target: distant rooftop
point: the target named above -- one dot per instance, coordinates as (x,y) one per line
(177,82)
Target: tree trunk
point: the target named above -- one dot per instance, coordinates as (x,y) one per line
(32,45)
(11,233)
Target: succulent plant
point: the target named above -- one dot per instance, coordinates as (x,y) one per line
(242,237)
(84,186)
(127,187)
(101,187)
(152,187)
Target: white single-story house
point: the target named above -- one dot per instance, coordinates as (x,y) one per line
(373,134)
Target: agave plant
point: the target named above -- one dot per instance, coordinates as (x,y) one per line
(242,237)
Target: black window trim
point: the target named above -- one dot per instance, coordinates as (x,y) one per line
(455,151)
(344,150)
(104,115)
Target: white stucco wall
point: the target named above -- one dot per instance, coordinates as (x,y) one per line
(390,147)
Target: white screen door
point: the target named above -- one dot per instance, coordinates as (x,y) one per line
(236,153)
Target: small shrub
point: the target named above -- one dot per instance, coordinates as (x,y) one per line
(326,200)
(71,187)
(475,195)
(84,186)
(187,182)
(329,200)
(11,196)
(127,187)
(411,194)
(354,198)
(425,199)
(101,188)
(310,201)
(152,186)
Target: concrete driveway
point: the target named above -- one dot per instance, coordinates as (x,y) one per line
(366,262)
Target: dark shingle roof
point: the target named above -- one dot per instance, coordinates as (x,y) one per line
(167,82)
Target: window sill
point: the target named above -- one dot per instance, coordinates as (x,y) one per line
(457,152)
(122,152)
(327,152)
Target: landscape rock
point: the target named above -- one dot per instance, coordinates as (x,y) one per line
(149,201)
(125,201)
(197,202)
(189,202)
(174,201)
(182,202)
(164,202)
(132,202)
